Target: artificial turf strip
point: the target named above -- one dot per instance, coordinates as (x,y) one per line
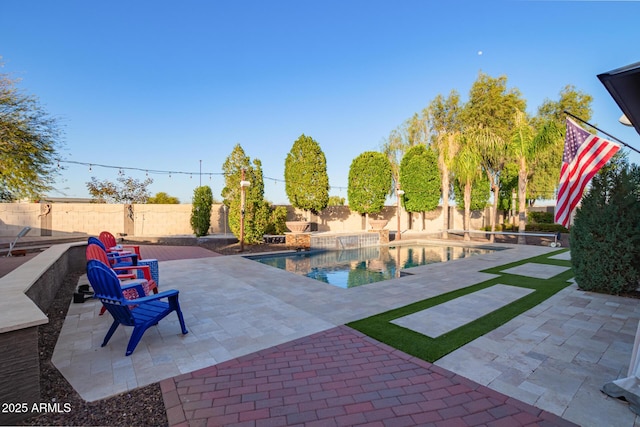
(432,349)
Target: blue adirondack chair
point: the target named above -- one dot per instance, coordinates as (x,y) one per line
(115,259)
(141,313)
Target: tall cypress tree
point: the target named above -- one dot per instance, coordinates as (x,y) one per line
(420,178)
(369,182)
(305,175)
(257,210)
(201,210)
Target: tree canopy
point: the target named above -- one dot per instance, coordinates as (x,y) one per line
(549,123)
(305,175)
(413,131)
(201,210)
(514,150)
(162,198)
(369,182)
(445,126)
(420,179)
(257,210)
(29,143)
(125,190)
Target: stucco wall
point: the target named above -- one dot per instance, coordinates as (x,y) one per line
(61,219)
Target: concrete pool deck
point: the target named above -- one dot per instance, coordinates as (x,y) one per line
(239,312)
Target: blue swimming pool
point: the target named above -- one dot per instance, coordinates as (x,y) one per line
(356,267)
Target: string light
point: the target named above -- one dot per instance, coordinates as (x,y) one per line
(121,172)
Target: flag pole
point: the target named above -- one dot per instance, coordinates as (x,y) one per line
(601,131)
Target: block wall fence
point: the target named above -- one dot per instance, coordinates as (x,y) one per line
(152,220)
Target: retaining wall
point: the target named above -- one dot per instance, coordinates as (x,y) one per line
(27,293)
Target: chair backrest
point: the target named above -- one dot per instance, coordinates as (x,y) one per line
(96,252)
(96,241)
(108,239)
(107,288)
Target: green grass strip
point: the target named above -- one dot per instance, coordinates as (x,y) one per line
(432,349)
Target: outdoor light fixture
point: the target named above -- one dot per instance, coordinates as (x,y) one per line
(399,192)
(625,121)
(243,184)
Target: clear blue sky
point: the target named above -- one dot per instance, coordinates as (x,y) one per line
(164,84)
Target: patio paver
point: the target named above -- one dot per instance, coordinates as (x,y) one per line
(561,351)
(442,318)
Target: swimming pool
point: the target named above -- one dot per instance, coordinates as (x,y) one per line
(356,267)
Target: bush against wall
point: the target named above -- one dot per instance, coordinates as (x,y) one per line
(201,210)
(605,237)
(277,220)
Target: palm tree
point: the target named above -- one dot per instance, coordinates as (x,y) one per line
(467,169)
(445,137)
(526,144)
(493,153)
(412,132)
(522,148)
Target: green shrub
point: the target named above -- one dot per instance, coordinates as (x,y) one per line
(201,210)
(546,228)
(277,221)
(541,217)
(605,237)
(369,182)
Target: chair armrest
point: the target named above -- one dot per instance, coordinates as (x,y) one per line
(153,297)
(146,270)
(117,257)
(134,248)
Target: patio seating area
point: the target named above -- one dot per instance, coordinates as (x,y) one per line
(266,347)
(248,355)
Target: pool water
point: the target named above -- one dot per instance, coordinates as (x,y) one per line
(356,267)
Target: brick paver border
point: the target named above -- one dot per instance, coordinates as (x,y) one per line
(339,377)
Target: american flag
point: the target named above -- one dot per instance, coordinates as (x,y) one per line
(584,155)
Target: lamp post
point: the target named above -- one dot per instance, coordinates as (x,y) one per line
(399,193)
(243,184)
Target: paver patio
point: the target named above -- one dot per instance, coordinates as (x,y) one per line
(242,312)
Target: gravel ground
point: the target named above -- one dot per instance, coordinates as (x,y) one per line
(140,407)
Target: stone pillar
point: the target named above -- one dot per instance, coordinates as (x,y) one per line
(298,240)
(384,235)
